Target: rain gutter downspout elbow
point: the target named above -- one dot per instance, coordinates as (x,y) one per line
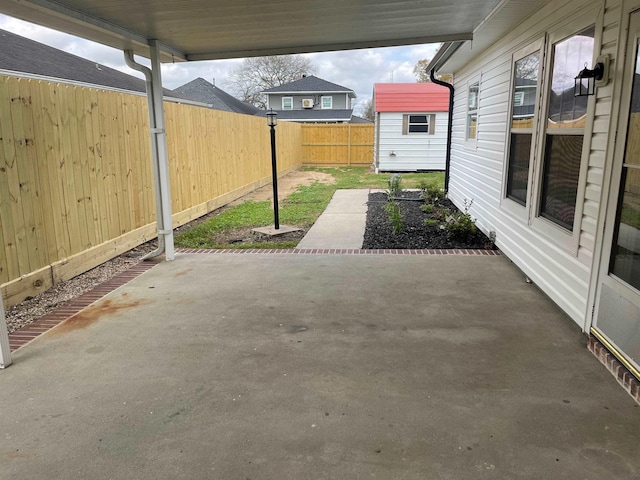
(128,57)
(447,164)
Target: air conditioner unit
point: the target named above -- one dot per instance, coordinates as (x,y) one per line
(307,103)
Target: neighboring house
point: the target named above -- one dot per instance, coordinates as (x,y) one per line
(311,99)
(411,126)
(553,175)
(24,57)
(200,90)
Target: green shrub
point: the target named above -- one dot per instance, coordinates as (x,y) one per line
(393,209)
(427,208)
(431,192)
(461,225)
(395,185)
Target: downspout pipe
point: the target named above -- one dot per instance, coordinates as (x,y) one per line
(129,59)
(447,164)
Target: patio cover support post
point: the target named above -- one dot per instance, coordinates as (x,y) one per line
(5,351)
(158,148)
(166,227)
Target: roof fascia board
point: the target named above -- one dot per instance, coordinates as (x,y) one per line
(441,57)
(78,23)
(309,92)
(331,47)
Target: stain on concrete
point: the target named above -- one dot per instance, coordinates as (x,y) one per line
(182,273)
(95,312)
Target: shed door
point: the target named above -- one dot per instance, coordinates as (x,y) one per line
(617,319)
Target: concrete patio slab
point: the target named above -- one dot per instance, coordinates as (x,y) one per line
(269,366)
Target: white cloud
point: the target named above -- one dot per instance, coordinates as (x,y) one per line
(355,69)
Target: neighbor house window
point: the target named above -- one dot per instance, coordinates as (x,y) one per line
(327,102)
(472,110)
(564,136)
(523,109)
(419,123)
(287,103)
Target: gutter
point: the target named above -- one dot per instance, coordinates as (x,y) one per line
(440,58)
(128,57)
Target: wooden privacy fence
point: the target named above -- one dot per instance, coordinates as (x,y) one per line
(337,144)
(76,183)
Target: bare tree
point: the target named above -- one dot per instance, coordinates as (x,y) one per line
(422,74)
(420,70)
(257,74)
(368,110)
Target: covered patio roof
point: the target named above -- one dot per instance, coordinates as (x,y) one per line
(213,29)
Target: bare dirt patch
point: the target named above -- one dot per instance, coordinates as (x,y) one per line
(286,186)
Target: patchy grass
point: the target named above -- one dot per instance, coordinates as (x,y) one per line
(300,209)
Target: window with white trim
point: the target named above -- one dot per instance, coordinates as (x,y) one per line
(326,102)
(566,118)
(526,72)
(287,103)
(472,110)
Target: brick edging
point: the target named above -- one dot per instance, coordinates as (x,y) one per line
(343,251)
(24,335)
(624,377)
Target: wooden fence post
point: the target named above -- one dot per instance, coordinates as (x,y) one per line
(349,146)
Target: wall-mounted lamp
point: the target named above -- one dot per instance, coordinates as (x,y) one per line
(588,79)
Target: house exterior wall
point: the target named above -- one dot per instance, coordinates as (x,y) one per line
(340,101)
(411,151)
(561,267)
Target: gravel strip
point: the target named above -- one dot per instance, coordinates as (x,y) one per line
(31,309)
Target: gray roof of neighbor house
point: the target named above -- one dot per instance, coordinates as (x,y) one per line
(25,56)
(329,115)
(310,84)
(201,90)
(357,119)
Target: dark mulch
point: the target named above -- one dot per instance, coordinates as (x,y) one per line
(415,234)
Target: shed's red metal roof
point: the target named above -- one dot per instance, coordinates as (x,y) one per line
(410,97)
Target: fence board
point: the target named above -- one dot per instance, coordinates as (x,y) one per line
(337,144)
(78,190)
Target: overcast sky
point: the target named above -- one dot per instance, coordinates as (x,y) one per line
(355,69)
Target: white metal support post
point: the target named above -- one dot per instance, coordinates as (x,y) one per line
(161,142)
(5,352)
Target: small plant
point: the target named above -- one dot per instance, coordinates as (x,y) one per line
(461,225)
(427,208)
(430,222)
(395,186)
(393,209)
(430,192)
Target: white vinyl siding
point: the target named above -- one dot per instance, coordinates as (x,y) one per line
(478,173)
(413,151)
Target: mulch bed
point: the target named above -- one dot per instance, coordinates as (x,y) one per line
(415,233)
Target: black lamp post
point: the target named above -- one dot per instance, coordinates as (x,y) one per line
(272,121)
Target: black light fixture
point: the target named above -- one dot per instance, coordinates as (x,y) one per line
(587,80)
(272,121)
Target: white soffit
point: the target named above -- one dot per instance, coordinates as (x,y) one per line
(213,29)
(506,16)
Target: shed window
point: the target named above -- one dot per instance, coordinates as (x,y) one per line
(287,103)
(327,102)
(422,123)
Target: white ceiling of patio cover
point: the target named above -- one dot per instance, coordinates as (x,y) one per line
(212,29)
